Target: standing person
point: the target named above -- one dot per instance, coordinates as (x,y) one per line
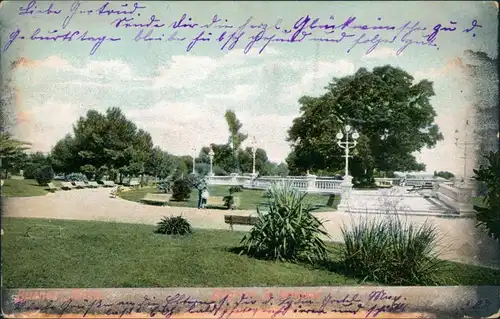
(204,197)
(200,191)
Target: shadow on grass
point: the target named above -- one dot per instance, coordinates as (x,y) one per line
(331,265)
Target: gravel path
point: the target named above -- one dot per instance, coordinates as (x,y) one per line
(462,241)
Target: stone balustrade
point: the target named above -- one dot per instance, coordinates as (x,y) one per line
(308,183)
(458,198)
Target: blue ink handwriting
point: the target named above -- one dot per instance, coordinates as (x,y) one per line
(105,11)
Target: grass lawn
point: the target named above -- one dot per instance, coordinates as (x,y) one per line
(249,198)
(24,188)
(106,255)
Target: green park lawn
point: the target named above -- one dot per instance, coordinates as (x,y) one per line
(24,188)
(249,198)
(118,255)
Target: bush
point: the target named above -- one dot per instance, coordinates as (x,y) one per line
(177,225)
(235,189)
(165,186)
(181,190)
(288,232)
(218,171)
(45,175)
(99,175)
(30,171)
(392,251)
(489,217)
(230,202)
(76,177)
(89,170)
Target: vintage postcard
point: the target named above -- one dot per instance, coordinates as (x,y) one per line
(230,159)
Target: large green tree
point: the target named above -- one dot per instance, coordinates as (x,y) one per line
(391,112)
(104,140)
(12,153)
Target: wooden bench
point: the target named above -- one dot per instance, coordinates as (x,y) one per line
(240,220)
(217,201)
(161,199)
(93,184)
(108,183)
(51,187)
(134,184)
(79,185)
(67,185)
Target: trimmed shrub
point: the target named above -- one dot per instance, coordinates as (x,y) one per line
(45,175)
(218,171)
(30,171)
(76,177)
(103,170)
(288,232)
(181,190)
(89,170)
(235,189)
(231,202)
(175,225)
(164,186)
(392,251)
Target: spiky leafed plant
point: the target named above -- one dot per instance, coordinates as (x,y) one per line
(174,225)
(390,250)
(288,231)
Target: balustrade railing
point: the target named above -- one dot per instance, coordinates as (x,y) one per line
(310,182)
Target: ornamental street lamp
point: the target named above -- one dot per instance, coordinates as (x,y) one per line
(346,145)
(254,150)
(211,157)
(465,143)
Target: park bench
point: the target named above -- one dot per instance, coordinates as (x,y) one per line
(240,220)
(161,199)
(108,183)
(92,184)
(215,201)
(79,185)
(66,185)
(51,187)
(134,184)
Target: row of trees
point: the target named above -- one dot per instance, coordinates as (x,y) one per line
(110,144)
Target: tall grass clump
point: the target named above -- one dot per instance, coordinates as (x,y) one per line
(288,231)
(392,251)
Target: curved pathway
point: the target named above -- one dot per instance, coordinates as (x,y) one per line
(461,240)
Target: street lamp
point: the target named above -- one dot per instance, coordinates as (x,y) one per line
(194,159)
(254,150)
(346,145)
(465,145)
(211,157)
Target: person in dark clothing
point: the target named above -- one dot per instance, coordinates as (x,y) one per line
(200,191)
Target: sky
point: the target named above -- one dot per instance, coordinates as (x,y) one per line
(180,97)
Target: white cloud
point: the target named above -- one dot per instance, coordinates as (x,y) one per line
(48,122)
(184,71)
(239,93)
(381,53)
(316,76)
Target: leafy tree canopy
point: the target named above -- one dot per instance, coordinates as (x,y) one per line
(391,112)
